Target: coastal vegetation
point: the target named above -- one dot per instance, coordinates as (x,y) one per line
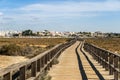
(28,47)
(111,44)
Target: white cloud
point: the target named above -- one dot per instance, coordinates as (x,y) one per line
(70,9)
(1,13)
(75,7)
(60,14)
(65,10)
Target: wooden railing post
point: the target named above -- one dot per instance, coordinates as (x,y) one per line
(42,64)
(111,63)
(90,51)
(119,68)
(49,56)
(38,65)
(116,59)
(33,69)
(46,58)
(99,56)
(51,64)
(93,53)
(22,73)
(106,59)
(49,60)
(104,55)
(7,76)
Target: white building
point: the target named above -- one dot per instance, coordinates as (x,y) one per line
(98,34)
(2,33)
(7,33)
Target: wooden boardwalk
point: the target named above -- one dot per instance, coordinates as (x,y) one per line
(77,65)
(74,64)
(68,68)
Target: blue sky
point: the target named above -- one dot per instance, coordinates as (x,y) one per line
(60,15)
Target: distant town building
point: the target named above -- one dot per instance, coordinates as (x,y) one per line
(56,34)
(98,34)
(8,33)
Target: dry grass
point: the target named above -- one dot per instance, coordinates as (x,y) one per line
(27,47)
(32,41)
(112,44)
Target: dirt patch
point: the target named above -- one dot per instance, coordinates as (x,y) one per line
(6,61)
(42,46)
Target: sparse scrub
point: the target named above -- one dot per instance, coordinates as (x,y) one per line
(11,49)
(55,61)
(45,76)
(28,47)
(15,50)
(112,44)
(32,41)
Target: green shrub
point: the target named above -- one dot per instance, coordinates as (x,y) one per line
(11,49)
(45,76)
(55,61)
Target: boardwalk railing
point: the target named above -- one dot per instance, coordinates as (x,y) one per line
(110,61)
(33,69)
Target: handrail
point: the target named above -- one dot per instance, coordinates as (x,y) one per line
(109,60)
(36,65)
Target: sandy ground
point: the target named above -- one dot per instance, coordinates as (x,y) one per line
(43,46)
(6,61)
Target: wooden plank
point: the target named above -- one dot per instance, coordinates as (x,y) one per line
(67,68)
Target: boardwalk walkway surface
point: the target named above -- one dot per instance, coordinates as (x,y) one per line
(68,68)
(77,65)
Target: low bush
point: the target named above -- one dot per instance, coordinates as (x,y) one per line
(11,49)
(55,61)
(45,76)
(15,50)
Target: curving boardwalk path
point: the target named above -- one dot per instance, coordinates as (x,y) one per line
(68,68)
(76,65)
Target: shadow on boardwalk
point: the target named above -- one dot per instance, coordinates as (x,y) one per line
(82,71)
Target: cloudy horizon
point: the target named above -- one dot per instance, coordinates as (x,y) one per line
(60,15)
